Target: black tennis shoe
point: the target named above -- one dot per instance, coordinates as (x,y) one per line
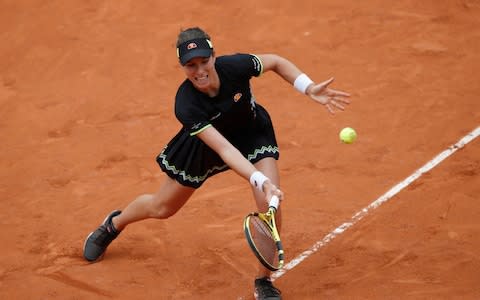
(264,290)
(97,241)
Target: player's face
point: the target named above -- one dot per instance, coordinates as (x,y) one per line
(201,72)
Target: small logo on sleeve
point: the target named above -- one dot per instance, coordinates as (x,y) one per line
(215,116)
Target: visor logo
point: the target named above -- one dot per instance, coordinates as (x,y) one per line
(191,46)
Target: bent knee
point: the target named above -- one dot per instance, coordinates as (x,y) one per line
(169,200)
(162,213)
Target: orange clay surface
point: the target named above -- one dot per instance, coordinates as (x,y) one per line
(86,103)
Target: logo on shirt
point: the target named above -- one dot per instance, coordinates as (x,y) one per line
(196,126)
(237,97)
(215,116)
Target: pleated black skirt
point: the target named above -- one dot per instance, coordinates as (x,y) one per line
(191,162)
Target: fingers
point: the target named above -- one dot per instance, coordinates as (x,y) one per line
(327,82)
(339,93)
(337,105)
(330,108)
(277,192)
(332,99)
(340,99)
(321,86)
(272,189)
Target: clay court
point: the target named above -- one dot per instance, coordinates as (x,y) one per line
(86,103)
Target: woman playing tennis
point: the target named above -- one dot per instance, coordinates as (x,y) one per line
(223,127)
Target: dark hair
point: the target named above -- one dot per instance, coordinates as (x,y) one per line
(190,34)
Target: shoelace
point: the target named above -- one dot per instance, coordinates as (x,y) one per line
(105,237)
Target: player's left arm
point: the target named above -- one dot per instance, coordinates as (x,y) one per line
(319,92)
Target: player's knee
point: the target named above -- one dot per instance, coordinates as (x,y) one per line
(162,211)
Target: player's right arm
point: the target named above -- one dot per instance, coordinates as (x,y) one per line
(234,158)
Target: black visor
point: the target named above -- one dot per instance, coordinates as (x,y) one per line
(194,48)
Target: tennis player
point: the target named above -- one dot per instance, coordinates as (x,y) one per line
(223,127)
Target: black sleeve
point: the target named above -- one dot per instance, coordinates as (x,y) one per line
(244,65)
(190,110)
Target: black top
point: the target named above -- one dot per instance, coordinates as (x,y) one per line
(233,109)
(233,112)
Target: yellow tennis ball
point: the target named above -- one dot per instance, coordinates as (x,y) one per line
(348,135)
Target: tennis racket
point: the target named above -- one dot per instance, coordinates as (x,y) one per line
(263,238)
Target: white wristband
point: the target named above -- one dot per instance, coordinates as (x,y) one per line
(302,82)
(257,179)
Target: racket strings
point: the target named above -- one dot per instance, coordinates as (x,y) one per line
(260,227)
(263,239)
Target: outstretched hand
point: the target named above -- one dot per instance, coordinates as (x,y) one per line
(332,99)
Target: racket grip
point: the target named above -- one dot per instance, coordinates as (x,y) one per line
(274,201)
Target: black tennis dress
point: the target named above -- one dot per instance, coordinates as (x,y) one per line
(233,112)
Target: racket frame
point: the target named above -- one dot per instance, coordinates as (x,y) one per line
(269,219)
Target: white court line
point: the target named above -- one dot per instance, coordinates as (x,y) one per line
(375,204)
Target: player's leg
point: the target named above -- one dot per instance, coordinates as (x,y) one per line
(264,288)
(166,202)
